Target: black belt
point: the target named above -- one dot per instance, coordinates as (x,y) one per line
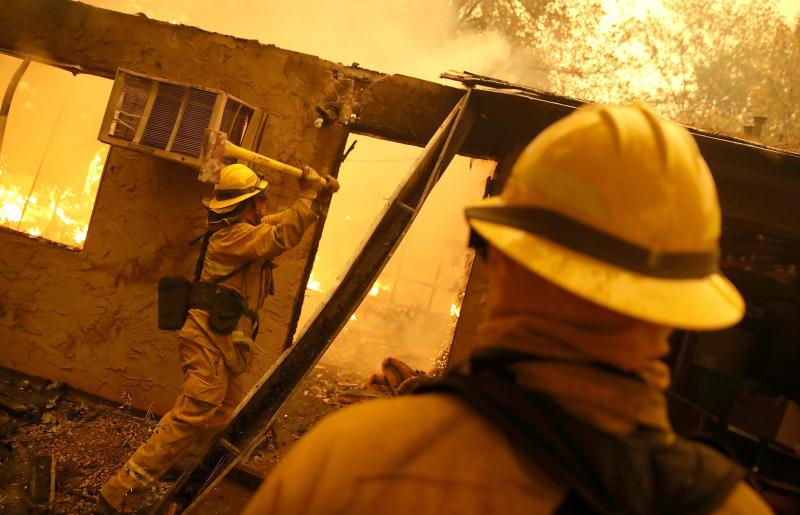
(202,297)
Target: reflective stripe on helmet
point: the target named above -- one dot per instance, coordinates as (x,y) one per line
(600,245)
(229,194)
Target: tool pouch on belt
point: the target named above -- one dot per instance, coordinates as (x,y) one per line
(227,307)
(177,295)
(173,302)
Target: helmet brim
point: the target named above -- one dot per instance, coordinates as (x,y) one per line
(222,206)
(707,303)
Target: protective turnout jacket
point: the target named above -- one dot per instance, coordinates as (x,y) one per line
(212,362)
(250,249)
(434,454)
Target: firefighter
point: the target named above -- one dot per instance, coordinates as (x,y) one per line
(604,238)
(215,342)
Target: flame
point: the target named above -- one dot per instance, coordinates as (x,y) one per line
(63,217)
(11,205)
(80,234)
(95,170)
(377,288)
(313,284)
(455,311)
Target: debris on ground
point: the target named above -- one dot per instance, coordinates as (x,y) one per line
(43,482)
(315,397)
(57,451)
(325,390)
(29,398)
(58,446)
(397,377)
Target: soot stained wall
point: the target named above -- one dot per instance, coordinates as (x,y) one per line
(89,317)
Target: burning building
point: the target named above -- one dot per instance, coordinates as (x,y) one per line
(83,311)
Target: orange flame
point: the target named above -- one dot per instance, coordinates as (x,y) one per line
(65,218)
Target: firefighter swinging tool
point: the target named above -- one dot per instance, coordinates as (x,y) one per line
(216,148)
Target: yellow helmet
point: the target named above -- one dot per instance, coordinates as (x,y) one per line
(236,183)
(617,206)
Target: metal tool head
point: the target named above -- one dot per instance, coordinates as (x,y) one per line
(211,155)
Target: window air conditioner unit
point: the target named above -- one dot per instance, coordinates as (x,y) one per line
(169,119)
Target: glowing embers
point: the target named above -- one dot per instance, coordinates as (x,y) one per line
(53,212)
(313,284)
(377,288)
(455,311)
(51,161)
(11,205)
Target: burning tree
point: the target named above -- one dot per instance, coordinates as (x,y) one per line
(704,63)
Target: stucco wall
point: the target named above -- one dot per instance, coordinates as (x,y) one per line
(88,317)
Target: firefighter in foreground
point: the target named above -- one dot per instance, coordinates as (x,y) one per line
(604,238)
(216,338)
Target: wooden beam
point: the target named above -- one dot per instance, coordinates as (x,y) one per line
(86,39)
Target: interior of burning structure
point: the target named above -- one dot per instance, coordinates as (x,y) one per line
(77,300)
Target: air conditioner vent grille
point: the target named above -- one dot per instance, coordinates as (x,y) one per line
(197,114)
(162,117)
(170,119)
(129,107)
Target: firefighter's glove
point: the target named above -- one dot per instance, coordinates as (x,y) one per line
(313,185)
(323,200)
(310,183)
(331,184)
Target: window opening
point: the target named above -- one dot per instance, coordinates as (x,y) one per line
(412,308)
(50,159)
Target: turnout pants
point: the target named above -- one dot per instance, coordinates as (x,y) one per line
(209,394)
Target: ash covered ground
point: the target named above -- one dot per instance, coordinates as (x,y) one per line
(90,439)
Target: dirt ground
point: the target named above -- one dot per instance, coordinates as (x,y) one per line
(90,439)
(87,439)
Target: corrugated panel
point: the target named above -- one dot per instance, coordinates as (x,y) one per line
(240,124)
(129,107)
(163,115)
(194,122)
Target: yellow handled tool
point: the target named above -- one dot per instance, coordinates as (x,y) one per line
(216,147)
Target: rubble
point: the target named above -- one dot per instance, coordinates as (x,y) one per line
(29,398)
(84,441)
(88,440)
(43,482)
(325,390)
(57,447)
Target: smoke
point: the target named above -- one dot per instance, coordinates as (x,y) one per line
(411,310)
(412,37)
